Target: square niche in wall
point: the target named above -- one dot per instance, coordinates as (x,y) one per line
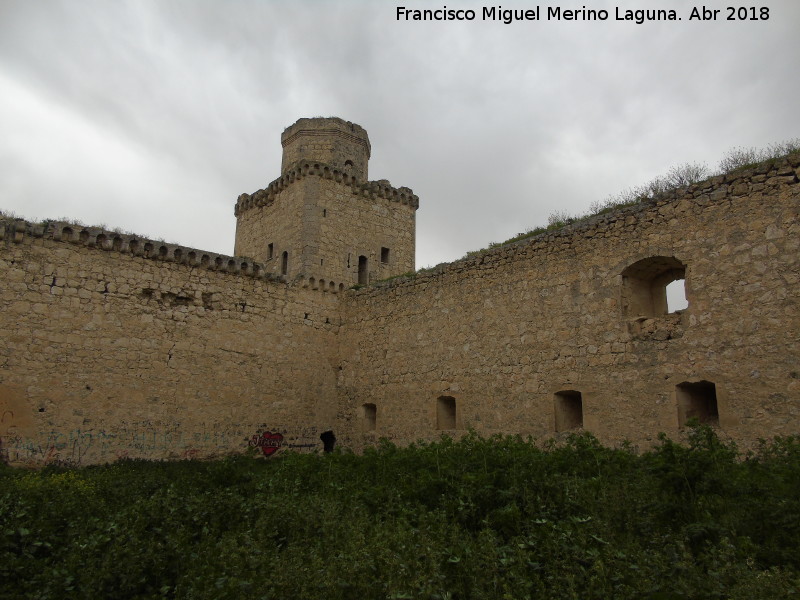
(697,401)
(568,406)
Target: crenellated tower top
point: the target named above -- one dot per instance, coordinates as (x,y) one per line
(336,142)
(322,222)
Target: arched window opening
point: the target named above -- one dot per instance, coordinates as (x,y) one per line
(446,412)
(697,401)
(369,414)
(285,263)
(644,286)
(363,274)
(568,410)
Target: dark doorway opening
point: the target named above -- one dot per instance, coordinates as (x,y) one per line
(363,274)
(328,440)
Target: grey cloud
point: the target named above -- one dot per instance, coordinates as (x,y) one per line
(493,125)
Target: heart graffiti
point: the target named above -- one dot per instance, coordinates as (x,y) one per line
(268,441)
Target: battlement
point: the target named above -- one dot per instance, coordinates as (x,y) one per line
(370,189)
(332,140)
(14,231)
(769,177)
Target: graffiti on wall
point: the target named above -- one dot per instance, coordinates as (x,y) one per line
(268,441)
(146,439)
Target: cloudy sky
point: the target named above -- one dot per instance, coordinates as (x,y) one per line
(153,116)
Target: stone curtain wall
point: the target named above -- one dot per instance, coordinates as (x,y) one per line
(118,347)
(534,338)
(114,346)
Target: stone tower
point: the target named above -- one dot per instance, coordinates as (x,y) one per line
(322,223)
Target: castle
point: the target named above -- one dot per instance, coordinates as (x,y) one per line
(117,346)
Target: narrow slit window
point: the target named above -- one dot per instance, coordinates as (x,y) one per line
(285,263)
(270,250)
(363,273)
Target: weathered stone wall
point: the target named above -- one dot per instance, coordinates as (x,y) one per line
(115,347)
(509,337)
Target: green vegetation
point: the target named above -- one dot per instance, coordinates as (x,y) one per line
(478,518)
(410,274)
(734,160)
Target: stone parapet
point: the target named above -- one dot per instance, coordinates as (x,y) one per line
(16,230)
(369,189)
(766,178)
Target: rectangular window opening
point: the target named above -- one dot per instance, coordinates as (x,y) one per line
(363,272)
(369,413)
(385,256)
(270,251)
(568,410)
(446,412)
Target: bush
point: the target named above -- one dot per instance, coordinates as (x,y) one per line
(495,517)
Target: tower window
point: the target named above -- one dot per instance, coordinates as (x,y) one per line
(270,250)
(568,410)
(285,263)
(324,212)
(385,256)
(363,274)
(697,401)
(445,412)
